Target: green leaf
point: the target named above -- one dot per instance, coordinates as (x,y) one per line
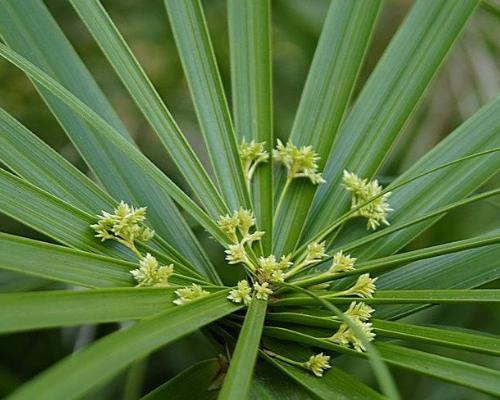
(195,49)
(239,376)
(338,59)
(149,102)
(192,383)
(390,262)
(148,172)
(47,309)
(448,337)
(251,79)
(29,28)
(459,372)
(388,100)
(406,296)
(62,264)
(448,271)
(29,157)
(335,383)
(79,373)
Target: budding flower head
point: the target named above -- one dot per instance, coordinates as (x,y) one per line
(240,221)
(272,270)
(189,293)
(228,224)
(236,254)
(150,274)
(364,286)
(123,224)
(342,263)
(242,293)
(362,191)
(315,252)
(361,311)
(317,364)
(253,152)
(301,162)
(345,336)
(262,291)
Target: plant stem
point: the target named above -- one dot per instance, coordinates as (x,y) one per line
(280,200)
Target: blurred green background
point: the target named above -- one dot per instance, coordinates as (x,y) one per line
(469,79)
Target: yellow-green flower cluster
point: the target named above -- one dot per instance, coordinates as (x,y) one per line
(272,270)
(189,293)
(317,364)
(238,225)
(342,263)
(151,274)
(251,155)
(362,191)
(346,337)
(242,294)
(124,225)
(301,162)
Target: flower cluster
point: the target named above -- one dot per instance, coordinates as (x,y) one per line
(342,263)
(317,363)
(301,162)
(188,294)
(251,155)
(125,225)
(315,253)
(359,314)
(237,227)
(272,270)
(151,274)
(364,191)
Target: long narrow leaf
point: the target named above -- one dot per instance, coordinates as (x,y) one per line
(29,28)
(81,372)
(239,376)
(193,42)
(251,78)
(338,59)
(46,309)
(388,100)
(147,99)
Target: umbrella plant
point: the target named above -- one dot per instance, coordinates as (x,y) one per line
(317,244)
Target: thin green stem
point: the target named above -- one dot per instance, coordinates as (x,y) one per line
(280,200)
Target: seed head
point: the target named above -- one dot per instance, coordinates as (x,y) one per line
(189,293)
(262,291)
(242,293)
(317,364)
(150,274)
(342,263)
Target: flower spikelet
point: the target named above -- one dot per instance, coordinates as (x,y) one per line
(188,294)
(360,310)
(317,364)
(345,336)
(262,291)
(150,274)
(362,191)
(364,286)
(342,263)
(242,293)
(301,162)
(236,254)
(124,224)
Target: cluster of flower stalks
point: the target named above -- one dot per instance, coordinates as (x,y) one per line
(270,276)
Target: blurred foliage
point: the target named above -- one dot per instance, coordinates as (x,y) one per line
(468,80)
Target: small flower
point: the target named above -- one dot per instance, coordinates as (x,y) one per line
(242,294)
(315,252)
(236,254)
(361,311)
(362,191)
(342,263)
(124,225)
(262,291)
(253,237)
(345,336)
(364,286)
(251,155)
(301,162)
(285,262)
(317,364)
(245,220)
(228,224)
(150,274)
(188,294)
